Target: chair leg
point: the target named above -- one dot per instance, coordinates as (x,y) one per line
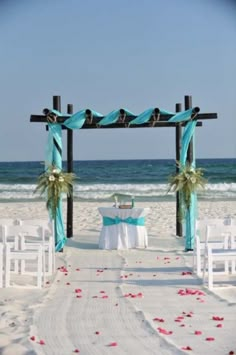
(210,273)
(1,265)
(7,269)
(40,268)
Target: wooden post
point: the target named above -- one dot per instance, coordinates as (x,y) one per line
(178,135)
(70,170)
(188,105)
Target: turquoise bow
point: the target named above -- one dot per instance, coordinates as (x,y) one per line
(108,221)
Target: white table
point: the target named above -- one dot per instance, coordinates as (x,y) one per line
(123,228)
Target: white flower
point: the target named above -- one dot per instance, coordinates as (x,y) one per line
(56,171)
(51,178)
(61,179)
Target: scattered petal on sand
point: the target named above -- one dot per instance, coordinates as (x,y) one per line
(164,331)
(210,339)
(186,348)
(97,332)
(113,344)
(32,338)
(161,320)
(219,325)
(217,318)
(197,332)
(41,342)
(76,351)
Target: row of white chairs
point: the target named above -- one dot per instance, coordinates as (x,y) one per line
(215,246)
(27,247)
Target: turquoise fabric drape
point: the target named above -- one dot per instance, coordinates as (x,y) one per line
(113,117)
(54,157)
(77,120)
(108,221)
(147,114)
(186,138)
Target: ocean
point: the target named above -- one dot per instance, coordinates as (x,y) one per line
(147,180)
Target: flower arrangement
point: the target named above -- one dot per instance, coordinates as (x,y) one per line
(187,181)
(54,182)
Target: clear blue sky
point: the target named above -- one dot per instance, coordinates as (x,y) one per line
(107,54)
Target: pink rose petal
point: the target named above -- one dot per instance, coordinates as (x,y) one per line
(164,331)
(217,318)
(32,338)
(41,342)
(210,339)
(113,344)
(197,332)
(219,326)
(161,320)
(186,348)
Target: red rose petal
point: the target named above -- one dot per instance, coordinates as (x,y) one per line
(78,290)
(217,318)
(32,338)
(113,344)
(219,326)
(186,348)
(41,342)
(164,331)
(76,351)
(97,332)
(210,339)
(231,352)
(197,332)
(159,320)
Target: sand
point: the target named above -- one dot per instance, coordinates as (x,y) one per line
(139,301)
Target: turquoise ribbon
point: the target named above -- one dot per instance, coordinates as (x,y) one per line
(108,221)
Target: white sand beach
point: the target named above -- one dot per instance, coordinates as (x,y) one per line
(139,301)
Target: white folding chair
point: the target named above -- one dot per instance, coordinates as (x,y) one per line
(214,254)
(200,239)
(13,238)
(48,241)
(1,265)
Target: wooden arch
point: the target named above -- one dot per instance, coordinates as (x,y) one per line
(157,121)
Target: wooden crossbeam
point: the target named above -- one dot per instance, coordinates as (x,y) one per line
(161,122)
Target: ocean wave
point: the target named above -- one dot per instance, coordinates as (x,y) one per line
(103,192)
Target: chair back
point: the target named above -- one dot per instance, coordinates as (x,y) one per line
(47,225)
(16,235)
(201,226)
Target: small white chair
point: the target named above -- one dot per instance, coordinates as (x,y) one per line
(14,241)
(47,239)
(200,239)
(215,254)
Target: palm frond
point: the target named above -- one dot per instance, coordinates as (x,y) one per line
(54,182)
(187,181)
